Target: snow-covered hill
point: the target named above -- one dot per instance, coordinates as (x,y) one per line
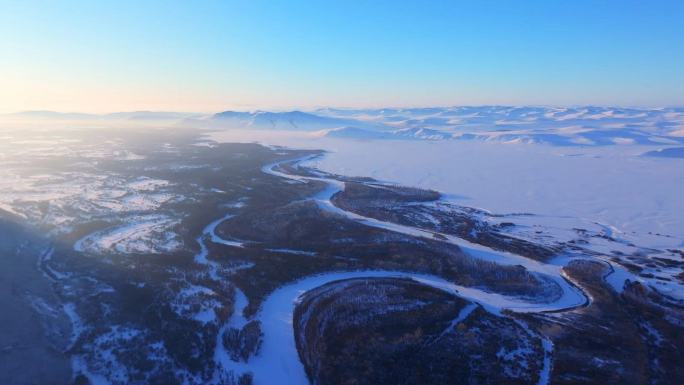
(292,120)
(577,126)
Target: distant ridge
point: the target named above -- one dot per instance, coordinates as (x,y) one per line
(555,126)
(291,120)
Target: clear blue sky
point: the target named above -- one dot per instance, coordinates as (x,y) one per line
(212,55)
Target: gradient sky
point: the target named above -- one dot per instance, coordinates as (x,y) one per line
(102,56)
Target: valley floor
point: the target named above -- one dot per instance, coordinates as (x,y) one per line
(179,260)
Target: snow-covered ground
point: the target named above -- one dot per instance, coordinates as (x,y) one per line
(586,163)
(148,234)
(614,185)
(604,192)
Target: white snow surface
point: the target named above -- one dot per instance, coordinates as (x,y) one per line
(149,234)
(580,162)
(610,190)
(608,185)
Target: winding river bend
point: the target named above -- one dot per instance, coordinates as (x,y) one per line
(278,361)
(571,296)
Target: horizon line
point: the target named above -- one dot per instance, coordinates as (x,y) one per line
(321,107)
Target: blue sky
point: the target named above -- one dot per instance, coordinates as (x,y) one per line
(210,55)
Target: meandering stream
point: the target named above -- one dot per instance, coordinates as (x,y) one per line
(278,361)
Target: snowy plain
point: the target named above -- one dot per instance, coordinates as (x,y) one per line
(584,176)
(613,185)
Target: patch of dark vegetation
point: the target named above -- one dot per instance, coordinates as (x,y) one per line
(398,331)
(670,263)
(245,379)
(680,276)
(633,337)
(342,244)
(504,225)
(401,205)
(677,251)
(243,343)
(634,268)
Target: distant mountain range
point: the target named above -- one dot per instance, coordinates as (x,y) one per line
(292,120)
(672,152)
(575,126)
